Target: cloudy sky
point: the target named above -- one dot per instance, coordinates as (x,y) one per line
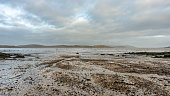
(140,23)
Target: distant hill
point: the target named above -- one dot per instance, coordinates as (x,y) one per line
(125,46)
(63,46)
(7,46)
(54,46)
(101,46)
(31,46)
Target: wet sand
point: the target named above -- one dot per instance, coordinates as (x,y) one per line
(86,72)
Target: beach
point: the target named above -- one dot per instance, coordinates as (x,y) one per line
(84,72)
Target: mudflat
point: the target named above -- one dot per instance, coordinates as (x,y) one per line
(86,72)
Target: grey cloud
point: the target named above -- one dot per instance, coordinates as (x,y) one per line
(109,22)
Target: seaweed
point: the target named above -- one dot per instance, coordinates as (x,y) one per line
(7,55)
(154,54)
(4,55)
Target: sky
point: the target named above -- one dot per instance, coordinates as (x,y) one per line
(140,23)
